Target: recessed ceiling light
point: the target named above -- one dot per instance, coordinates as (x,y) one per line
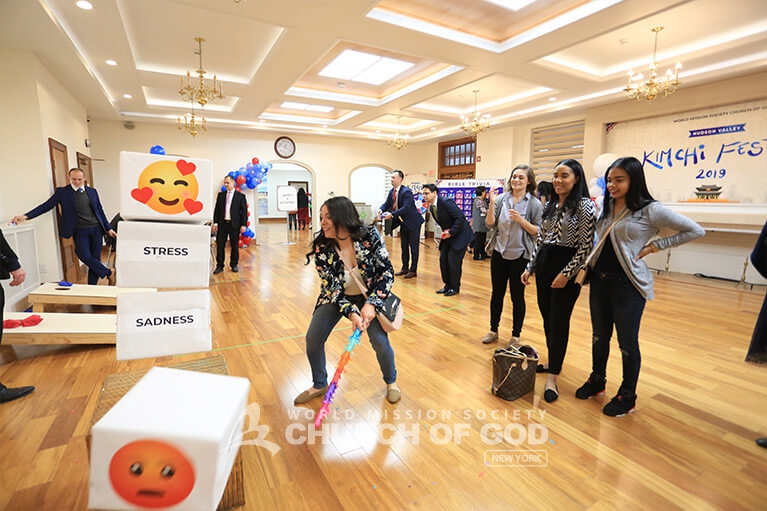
(378,131)
(111,62)
(433,128)
(85,5)
(552,99)
(127,96)
(363,67)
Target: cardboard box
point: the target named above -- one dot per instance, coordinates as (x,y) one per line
(162,324)
(170,442)
(165,188)
(163,255)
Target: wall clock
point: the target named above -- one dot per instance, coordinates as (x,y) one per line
(284,147)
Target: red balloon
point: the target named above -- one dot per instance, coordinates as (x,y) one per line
(248,212)
(254,161)
(248,224)
(241,180)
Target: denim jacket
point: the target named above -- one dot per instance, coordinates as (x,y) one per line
(373,263)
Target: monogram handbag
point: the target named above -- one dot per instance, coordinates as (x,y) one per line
(514,371)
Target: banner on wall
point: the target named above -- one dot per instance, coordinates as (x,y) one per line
(462,191)
(715,155)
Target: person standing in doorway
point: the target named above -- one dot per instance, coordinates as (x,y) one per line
(456,234)
(303,208)
(230,218)
(83,218)
(400,207)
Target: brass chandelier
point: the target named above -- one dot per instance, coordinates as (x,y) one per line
(478,123)
(638,88)
(397,141)
(192,124)
(199,92)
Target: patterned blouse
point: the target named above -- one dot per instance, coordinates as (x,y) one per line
(568,230)
(373,264)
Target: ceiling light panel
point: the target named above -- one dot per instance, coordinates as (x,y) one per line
(357,66)
(512,5)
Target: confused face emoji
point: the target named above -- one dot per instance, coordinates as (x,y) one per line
(169,187)
(151,474)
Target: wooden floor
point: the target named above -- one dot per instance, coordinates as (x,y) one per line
(689,446)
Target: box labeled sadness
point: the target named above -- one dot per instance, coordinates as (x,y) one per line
(161,324)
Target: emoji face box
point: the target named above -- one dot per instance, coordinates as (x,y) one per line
(170,442)
(154,254)
(166,188)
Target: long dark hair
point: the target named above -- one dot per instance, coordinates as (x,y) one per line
(579,191)
(638,196)
(342,213)
(545,189)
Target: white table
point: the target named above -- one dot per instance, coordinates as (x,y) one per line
(81,294)
(63,328)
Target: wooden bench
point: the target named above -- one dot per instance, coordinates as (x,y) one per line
(118,384)
(79,294)
(63,328)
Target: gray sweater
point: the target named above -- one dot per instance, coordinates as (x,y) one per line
(635,230)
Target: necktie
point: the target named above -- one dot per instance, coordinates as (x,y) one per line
(433,210)
(394,200)
(227,214)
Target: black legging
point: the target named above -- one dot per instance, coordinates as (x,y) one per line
(503,271)
(556,305)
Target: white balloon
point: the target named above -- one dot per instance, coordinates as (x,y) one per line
(596,191)
(592,182)
(601,163)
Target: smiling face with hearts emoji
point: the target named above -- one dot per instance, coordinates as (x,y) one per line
(169,187)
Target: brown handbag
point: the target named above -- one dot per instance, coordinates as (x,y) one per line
(514,371)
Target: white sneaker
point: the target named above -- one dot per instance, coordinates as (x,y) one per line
(490,337)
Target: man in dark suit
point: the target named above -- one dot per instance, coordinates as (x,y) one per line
(400,207)
(9,267)
(82,217)
(230,218)
(456,235)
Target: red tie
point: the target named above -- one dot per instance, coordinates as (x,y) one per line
(394,200)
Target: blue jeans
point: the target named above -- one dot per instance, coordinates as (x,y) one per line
(324,319)
(88,243)
(614,300)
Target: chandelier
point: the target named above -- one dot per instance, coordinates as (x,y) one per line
(638,88)
(192,124)
(397,141)
(477,124)
(199,92)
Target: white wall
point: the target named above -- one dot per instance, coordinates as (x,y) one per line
(35,107)
(280,174)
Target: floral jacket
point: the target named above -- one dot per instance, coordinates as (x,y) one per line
(372,261)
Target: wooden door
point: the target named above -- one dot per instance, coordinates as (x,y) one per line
(60,169)
(84,164)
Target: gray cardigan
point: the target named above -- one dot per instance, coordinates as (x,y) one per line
(533,215)
(635,230)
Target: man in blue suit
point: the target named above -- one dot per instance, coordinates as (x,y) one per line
(82,217)
(400,207)
(456,235)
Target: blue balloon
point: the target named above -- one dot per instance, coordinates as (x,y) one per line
(241,171)
(233,174)
(249,167)
(268,166)
(157,149)
(223,188)
(601,182)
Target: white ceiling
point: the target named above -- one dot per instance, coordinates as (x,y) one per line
(267,52)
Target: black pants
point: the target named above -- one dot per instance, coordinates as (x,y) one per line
(227,231)
(503,271)
(451,264)
(410,243)
(556,305)
(478,245)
